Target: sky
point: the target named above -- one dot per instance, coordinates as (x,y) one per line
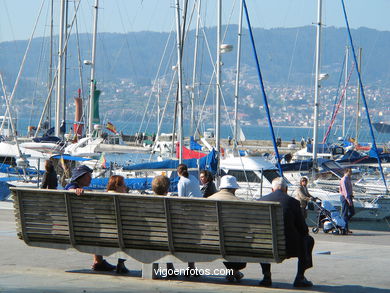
(17,17)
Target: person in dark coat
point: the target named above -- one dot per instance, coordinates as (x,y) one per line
(206,179)
(49,179)
(81,177)
(298,242)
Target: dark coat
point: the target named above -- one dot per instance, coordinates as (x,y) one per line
(208,189)
(295,227)
(49,180)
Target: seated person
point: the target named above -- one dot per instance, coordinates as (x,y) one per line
(208,186)
(81,177)
(298,242)
(227,191)
(160,186)
(116,184)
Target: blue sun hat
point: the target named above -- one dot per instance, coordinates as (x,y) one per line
(80,171)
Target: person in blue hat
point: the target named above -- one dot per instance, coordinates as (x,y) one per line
(81,177)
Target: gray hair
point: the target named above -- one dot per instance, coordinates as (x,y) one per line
(279,184)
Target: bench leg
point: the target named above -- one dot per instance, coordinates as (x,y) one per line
(149,270)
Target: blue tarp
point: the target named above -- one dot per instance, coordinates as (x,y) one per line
(5,168)
(194,145)
(4,190)
(208,163)
(132,183)
(70,158)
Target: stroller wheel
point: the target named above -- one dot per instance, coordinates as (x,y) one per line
(315,230)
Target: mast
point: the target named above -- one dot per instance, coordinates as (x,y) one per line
(218,81)
(50,62)
(65,60)
(179,78)
(317,84)
(92,79)
(59,74)
(194,70)
(345,90)
(358,97)
(237,86)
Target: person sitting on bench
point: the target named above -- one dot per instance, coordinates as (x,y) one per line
(298,242)
(81,177)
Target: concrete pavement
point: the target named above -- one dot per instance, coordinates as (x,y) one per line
(356,263)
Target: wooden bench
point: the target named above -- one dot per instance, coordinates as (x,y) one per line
(151,229)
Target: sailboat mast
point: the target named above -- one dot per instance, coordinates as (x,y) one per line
(317,83)
(50,62)
(60,69)
(194,69)
(237,85)
(218,80)
(357,126)
(92,79)
(345,90)
(65,60)
(179,78)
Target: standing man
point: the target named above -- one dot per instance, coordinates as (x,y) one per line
(346,198)
(298,242)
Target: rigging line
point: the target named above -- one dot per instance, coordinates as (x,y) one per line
(57,69)
(42,53)
(80,67)
(10,25)
(338,86)
(126,41)
(337,108)
(155,79)
(262,87)
(228,21)
(167,68)
(23,63)
(364,97)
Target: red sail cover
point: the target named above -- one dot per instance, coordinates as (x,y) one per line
(188,154)
(78,125)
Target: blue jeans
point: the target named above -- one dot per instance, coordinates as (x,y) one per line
(347,211)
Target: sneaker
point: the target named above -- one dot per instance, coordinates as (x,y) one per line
(302,283)
(121,268)
(230,278)
(238,276)
(266,282)
(103,266)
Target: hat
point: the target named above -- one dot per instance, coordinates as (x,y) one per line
(228,181)
(80,171)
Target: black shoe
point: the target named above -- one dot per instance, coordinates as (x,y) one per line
(266,282)
(238,276)
(302,283)
(120,267)
(103,266)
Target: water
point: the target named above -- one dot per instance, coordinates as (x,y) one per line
(286,133)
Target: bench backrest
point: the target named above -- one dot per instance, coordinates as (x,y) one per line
(149,228)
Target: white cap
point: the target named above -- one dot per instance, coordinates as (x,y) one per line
(228,181)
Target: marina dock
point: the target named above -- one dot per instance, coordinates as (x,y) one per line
(354,263)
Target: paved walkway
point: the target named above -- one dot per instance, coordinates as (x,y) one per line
(356,263)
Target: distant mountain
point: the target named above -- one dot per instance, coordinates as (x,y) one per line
(286,56)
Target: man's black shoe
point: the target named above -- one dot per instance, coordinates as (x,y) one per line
(266,282)
(302,283)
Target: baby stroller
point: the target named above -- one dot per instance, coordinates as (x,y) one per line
(328,218)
